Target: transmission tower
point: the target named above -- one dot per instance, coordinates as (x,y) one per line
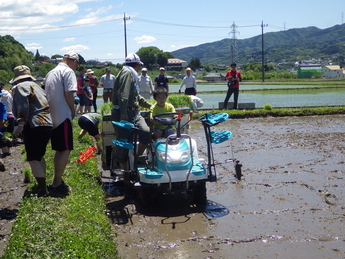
(234,51)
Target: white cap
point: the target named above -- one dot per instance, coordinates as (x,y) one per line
(72,55)
(162,68)
(144,69)
(133,58)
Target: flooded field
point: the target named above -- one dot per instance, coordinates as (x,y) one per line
(290,203)
(293,97)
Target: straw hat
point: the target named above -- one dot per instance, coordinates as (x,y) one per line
(188,69)
(90,71)
(21,72)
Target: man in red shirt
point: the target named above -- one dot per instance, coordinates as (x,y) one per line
(80,91)
(234,77)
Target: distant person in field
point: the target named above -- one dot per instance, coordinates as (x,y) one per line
(234,77)
(88,95)
(145,84)
(189,82)
(93,84)
(107,82)
(80,91)
(161,80)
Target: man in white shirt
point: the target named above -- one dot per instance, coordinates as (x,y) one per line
(189,82)
(107,82)
(60,86)
(145,84)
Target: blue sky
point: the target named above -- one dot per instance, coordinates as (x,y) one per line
(95,28)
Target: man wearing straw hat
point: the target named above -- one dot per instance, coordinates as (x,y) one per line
(31,108)
(189,82)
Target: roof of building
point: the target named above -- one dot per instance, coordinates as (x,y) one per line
(310,65)
(334,67)
(175,60)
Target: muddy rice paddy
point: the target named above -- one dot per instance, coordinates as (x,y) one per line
(290,203)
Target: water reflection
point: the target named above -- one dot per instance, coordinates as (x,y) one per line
(276,98)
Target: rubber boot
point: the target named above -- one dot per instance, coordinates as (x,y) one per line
(42,187)
(2,166)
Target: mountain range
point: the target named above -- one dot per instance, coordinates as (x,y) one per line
(284,46)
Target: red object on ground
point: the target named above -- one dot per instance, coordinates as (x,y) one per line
(86,154)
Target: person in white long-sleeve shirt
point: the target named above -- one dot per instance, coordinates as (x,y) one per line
(145,84)
(189,82)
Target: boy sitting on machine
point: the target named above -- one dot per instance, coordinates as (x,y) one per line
(161,107)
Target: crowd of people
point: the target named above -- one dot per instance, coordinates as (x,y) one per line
(44,112)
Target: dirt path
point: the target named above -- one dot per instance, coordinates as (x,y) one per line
(290,203)
(12,188)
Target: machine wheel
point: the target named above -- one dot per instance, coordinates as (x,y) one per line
(199,193)
(238,170)
(144,196)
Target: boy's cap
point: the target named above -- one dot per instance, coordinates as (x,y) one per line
(72,55)
(108,69)
(144,69)
(21,72)
(162,68)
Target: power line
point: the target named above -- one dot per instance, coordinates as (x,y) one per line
(181,25)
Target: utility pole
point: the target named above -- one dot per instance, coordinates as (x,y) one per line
(262,50)
(124,23)
(234,52)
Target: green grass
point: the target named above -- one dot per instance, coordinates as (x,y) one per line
(179,100)
(264,112)
(75,226)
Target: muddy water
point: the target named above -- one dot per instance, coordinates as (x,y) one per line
(12,188)
(290,203)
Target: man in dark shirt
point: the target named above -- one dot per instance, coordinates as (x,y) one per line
(161,80)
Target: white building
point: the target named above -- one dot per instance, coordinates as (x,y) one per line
(333,71)
(176,64)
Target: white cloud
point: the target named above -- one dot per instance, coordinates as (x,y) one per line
(33,15)
(33,46)
(37,16)
(110,54)
(76,48)
(144,39)
(68,39)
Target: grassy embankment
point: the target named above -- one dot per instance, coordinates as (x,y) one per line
(281,112)
(75,226)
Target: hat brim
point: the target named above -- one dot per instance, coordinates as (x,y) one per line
(21,77)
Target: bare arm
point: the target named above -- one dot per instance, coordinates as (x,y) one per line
(69,96)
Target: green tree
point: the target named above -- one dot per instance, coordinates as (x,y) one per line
(152,56)
(55,56)
(148,55)
(194,63)
(162,59)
